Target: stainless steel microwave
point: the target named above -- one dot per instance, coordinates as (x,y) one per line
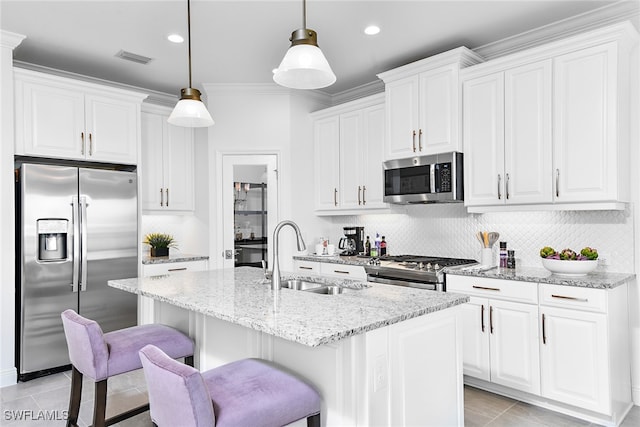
(425,179)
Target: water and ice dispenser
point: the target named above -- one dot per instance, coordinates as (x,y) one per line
(52,239)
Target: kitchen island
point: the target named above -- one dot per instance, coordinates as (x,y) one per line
(379,355)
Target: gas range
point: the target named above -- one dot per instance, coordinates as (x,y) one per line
(425,272)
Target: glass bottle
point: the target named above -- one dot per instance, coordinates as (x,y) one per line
(367,247)
(503,254)
(511,259)
(383,247)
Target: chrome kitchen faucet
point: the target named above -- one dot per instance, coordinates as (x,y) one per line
(275,273)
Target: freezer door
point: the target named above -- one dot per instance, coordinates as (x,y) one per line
(45,276)
(108,202)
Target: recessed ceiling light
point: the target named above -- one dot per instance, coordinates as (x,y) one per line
(175,38)
(372,30)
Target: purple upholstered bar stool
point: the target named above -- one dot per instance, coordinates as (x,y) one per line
(248,392)
(100,356)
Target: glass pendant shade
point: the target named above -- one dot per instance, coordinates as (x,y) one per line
(304,66)
(190,111)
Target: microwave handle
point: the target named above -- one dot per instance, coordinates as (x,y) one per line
(432,178)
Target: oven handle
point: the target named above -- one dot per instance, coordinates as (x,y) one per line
(396,282)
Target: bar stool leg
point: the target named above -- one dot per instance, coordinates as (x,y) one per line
(313,421)
(100,404)
(75,396)
(188,361)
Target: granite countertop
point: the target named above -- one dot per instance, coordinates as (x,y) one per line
(334,259)
(173,257)
(596,280)
(242,296)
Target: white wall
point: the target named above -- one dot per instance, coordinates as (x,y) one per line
(8,41)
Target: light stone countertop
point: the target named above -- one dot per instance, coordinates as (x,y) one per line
(173,257)
(596,280)
(242,296)
(334,259)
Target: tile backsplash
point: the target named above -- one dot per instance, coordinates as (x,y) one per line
(448,230)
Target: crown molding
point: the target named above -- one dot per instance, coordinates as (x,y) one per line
(624,10)
(367,89)
(10,40)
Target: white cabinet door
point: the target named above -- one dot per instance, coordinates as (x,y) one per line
(574,358)
(112,128)
(438,130)
(483,133)
(585,125)
(402,117)
(178,168)
(167,167)
(514,350)
(327,162)
(352,157)
(49,121)
(373,156)
(151,168)
(527,127)
(475,335)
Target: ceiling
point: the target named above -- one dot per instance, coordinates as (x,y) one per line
(241,41)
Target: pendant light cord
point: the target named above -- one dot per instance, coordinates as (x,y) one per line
(189,36)
(304,13)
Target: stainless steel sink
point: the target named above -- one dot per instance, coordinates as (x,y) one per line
(327,290)
(318,288)
(300,285)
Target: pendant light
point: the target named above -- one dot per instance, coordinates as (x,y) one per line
(190,111)
(304,65)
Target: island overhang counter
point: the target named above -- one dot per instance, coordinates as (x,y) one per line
(378,354)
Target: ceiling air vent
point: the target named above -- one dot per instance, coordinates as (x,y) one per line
(133,57)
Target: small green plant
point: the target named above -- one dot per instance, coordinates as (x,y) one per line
(160,240)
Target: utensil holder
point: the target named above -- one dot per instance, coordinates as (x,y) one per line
(486,257)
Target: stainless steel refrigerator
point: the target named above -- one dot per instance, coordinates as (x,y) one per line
(77,229)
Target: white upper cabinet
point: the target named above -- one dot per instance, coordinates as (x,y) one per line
(507,135)
(423,105)
(167,167)
(348,141)
(58,117)
(587,139)
(558,115)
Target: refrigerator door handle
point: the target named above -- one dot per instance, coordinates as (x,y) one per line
(76,243)
(83,244)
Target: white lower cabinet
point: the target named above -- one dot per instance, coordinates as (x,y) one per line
(500,334)
(345,271)
(566,347)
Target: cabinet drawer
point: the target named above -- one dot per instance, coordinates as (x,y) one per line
(587,299)
(307,267)
(511,290)
(343,270)
(173,267)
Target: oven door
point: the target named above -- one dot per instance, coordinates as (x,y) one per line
(429,286)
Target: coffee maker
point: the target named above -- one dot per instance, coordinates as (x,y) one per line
(357,234)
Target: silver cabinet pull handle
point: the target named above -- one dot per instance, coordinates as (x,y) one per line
(364,191)
(557,182)
(491,319)
(161,198)
(302,267)
(499,182)
(341,271)
(570,298)
(359,190)
(544,330)
(177,269)
(420,140)
(167,191)
(486,288)
(82,145)
(335,197)
(482,318)
(90,144)
(506,186)
(414,141)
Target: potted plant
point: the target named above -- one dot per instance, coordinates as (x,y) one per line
(160,243)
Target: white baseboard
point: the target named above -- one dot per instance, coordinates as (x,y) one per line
(635,395)
(8,377)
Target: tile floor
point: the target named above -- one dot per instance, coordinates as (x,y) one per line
(49,396)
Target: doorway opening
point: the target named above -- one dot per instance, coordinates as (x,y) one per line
(250,191)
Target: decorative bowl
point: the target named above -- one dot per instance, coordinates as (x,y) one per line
(569,267)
